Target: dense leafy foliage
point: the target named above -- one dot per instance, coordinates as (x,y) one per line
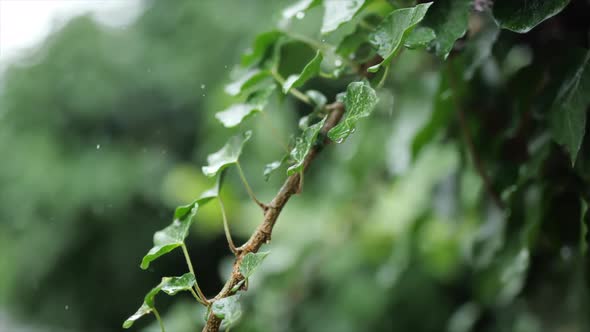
(456,198)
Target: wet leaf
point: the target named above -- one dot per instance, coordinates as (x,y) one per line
(262,44)
(359,102)
(170,286)
(170,237)
(235,114)
(309,71)
(248,81)
(228,309)
(419,38)
(227,156)
(303,145)
(250,262)
(270,168)
(337,12)
(448,19)
(523,15)
(568,112)
(390,34)
(298,7)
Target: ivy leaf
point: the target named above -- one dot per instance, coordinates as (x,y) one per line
(170,286)
(298,7)
(359,102)
(270,168)
(142,311)
(303,144)
(568,111)
(260,48)
(317,98)
(390,34)
(248,81)
(448,19)
(419,38)
(309,71)
(205,197)
(228,309)
(523,15)
(337,12)
(235,114)
(173,285)
(227,156)
(250,262)
(169,238)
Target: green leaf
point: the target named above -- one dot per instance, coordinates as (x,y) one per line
(359,102)
(228,309)
(337,12)
(248,81)
(303,145)
(170,237)
(390,34)
(270,168)
(262,44)
(568,111)
(309,71)
(523,15)
(227,156)
(317,98)
(142,311)
(250,262)
(351,43)
(298,7)
(173,285)
(235,114)
(170,286)
(419,38)
(205,197)
(448,19)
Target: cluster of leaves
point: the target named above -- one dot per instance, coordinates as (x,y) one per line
(359,40)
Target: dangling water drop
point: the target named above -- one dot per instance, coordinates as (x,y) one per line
(300,15)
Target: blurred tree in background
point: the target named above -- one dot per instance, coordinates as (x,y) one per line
(103,132)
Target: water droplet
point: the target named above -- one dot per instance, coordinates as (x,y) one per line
(340,140)
(67,307)
(338,63)
(323,40)
(203,86)
(300,15)
(225,66)
(98,146)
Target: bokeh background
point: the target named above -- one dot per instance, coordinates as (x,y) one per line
(104,128)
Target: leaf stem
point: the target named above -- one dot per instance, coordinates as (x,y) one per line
(296,93)
(192,270)
(157,314)
(248,189)
(230,241)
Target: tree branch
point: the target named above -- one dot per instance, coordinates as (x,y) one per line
(263,233)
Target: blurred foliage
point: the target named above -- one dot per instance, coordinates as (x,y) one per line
(104,130)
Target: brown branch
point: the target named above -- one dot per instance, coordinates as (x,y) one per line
(263,233)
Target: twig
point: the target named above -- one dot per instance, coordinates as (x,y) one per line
(192,270)
(263,206)
(230,241)
(262,234)
(487,182)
